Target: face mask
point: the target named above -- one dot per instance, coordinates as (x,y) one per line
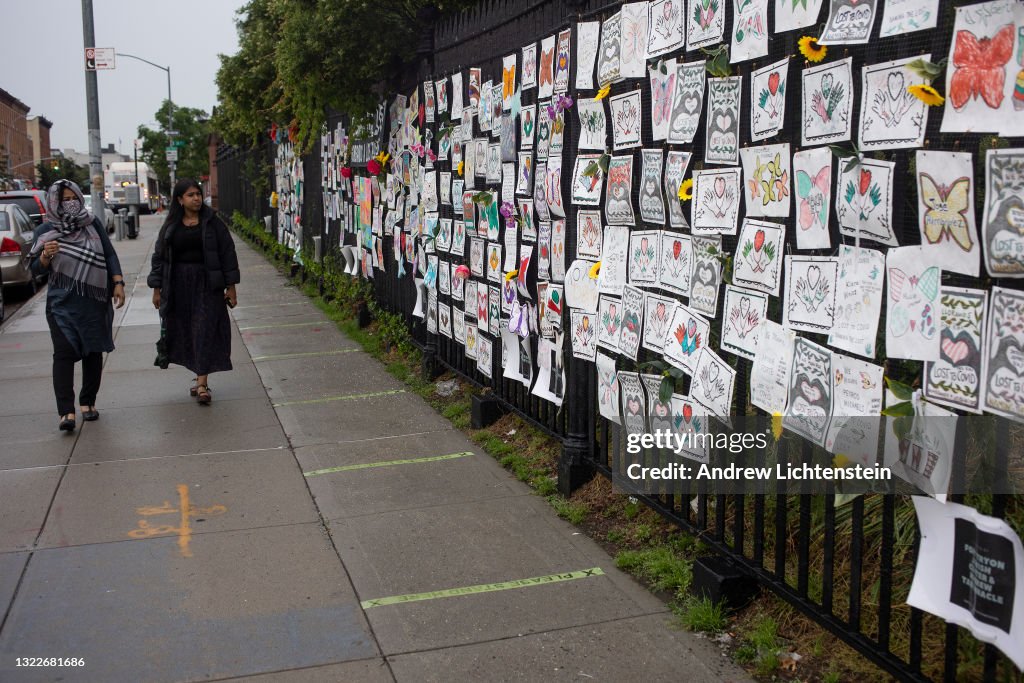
(71,207)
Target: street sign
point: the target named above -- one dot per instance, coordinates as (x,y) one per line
(179,143)
(97,58)
(172,153)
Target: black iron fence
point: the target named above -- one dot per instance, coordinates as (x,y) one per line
(845,564)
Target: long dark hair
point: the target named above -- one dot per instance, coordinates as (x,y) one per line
(175,211)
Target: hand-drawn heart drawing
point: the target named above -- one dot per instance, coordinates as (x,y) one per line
(954,351)
(812,393)
(744,306)
(687,412)
(723,121)
(633,405)
(690,104)
(1016,358)
(713,371)
(706,274)
(895,85)
(719,186)
(813,275)
(826,84)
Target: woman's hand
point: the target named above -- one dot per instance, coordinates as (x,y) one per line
(231,297)
(156,298)
(50,250)
(118,294)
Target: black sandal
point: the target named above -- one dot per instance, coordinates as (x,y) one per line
(67,424)
(203,394)
(192,389)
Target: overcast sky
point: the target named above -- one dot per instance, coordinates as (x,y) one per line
(42,53)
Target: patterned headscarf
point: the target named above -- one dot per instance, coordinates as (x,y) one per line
(80,265)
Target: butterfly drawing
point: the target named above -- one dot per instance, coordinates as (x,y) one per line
(947,211)
(813,193)
(661,99)
(547,61)
(916,296)
(980,67)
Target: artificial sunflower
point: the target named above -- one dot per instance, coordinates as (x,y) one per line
(603,92)
(840,460)
(458,169)
(511,275)
(811,49)
(926,94)
(777,425)
(594,270)
(686,190)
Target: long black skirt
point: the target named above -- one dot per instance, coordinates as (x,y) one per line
(197,324)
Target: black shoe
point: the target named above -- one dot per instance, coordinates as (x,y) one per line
(90,415)
(67,424)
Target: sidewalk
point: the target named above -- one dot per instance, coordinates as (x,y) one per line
(275,533)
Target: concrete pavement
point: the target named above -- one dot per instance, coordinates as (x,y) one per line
(276,536)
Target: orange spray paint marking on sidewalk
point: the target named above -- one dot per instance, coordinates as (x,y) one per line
(184,530)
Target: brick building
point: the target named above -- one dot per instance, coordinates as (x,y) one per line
(39,131)
(16,157)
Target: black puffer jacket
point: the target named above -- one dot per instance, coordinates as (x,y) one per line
(218,254)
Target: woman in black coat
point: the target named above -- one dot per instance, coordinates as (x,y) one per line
(193,277)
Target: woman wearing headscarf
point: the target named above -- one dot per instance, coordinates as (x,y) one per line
(73,249)
(193,276)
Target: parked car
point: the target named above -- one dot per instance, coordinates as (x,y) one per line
(32,202)
(16,236)
(108,215)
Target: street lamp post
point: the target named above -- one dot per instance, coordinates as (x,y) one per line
(170,104)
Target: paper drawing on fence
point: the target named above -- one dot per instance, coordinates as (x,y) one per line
(809,407)
(562,52)
(955,379)
(768,99)
(524,178)
(857,402)
(676,252)
(626,115)
(553,186)
(864,201)
(767,174)
(945,207)
(444,320)
(685,337)
(494,262)
(529,79)
(912,315)
(587,36)
(558,250)
(544,250)
(529,226)
(812,193)
(705,23)
(493,163)
(658,313)
(714,208)
(618,206)
(849,22)
(712,384)
(472,336)
(550,382)
(484,356)
(483,316)
(508,81)
(1003,222)
(793,14)
(652,205)
(757,263)
(609,317)
(634,403)
(644,258)
(769,376)
(723,122)
(609,55)
(632,321)
(749,30)
(706,276)
(540,172)
(1004,354)
(546,68)
(907,16)
(676,164)
(432,312)
(743,314)
(810,300)
(459,326)
(665,25)
(982,72)
(662,79)
(890,116)
(527,125)
(614,257)
(584,334)
(689,417)
(858,300)
(457,89)
(633,40)
(580,288)
(589,234)
(658,412)
(969,571)
(607,388)
(687,102)
(827,98)
(593,127)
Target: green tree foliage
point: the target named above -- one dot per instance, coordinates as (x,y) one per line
(296,58)
(52,170)
(193,127)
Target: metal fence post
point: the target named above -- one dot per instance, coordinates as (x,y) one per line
(574,469)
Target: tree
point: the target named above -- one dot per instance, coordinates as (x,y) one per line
(62,168)
(192,127)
